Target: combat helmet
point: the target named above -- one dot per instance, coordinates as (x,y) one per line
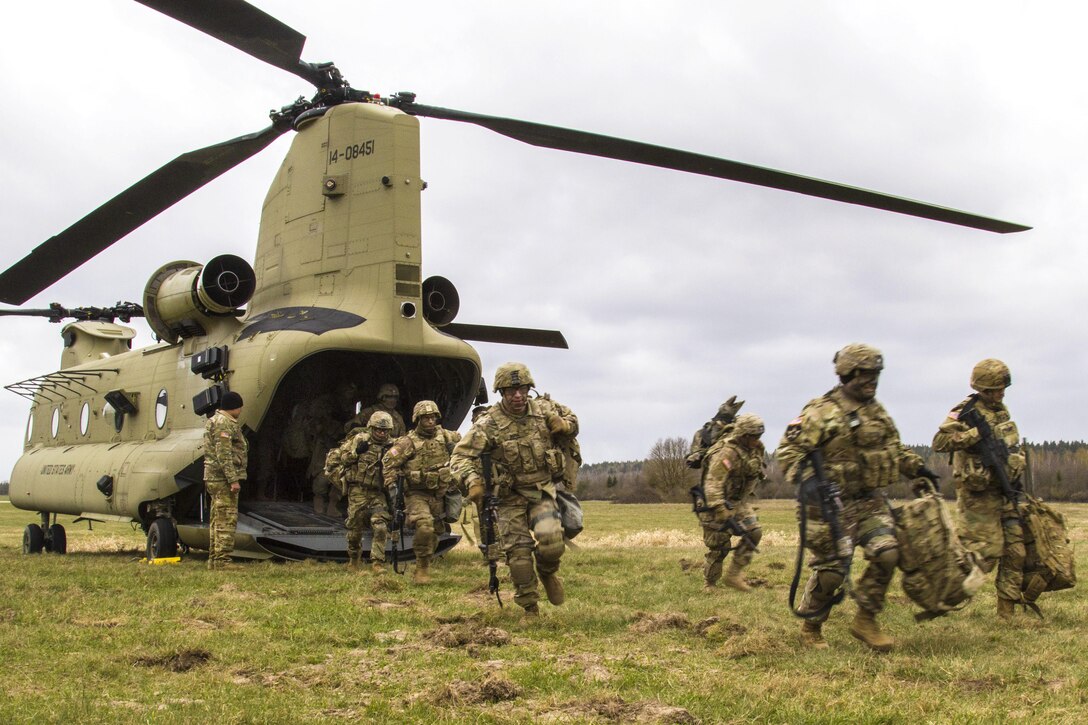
(388,389)
(425,407)
(990,374)
(857,356)
(512,375)
(748,424)
(381,419)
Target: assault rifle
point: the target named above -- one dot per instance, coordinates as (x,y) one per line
(734,527)
(396,502)
(488,523)
(829,498)
(994,454)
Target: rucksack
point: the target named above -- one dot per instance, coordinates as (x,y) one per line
(939,573)
(1048,565)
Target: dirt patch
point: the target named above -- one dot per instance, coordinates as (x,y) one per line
(382,604)
(493,688)
(982,684)
(615,709)
(646,622)
(463,634)
(180,661)
(102,623)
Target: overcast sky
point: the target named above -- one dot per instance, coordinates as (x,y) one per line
(674,291)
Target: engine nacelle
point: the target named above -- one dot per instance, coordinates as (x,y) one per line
(440,301)
(182,296)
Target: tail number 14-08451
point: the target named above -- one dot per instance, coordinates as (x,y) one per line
(354,151)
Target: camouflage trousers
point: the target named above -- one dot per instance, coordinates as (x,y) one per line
(367,511)
(424,512)
(869,525)
(222,521)
(718,541)
(529,530)
(988,526)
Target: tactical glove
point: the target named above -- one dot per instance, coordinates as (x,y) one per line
(924,472)
(557,425)
(361,447)
(475,489)
(969,437)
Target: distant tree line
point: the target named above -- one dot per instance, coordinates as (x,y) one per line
(1058,471)
(4,488)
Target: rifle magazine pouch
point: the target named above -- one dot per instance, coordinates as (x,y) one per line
(570,513)
(453,502)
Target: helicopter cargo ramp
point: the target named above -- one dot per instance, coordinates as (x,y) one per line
(294,531)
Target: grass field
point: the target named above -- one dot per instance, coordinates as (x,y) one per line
(95,636)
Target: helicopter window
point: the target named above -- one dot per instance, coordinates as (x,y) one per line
(109,411)
(160,408)
(29,427)
(84,418)
(56,421)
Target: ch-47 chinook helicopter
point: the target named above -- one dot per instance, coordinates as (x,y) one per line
(335,300)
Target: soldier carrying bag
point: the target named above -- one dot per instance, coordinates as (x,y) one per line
(939,573)
(1048,566)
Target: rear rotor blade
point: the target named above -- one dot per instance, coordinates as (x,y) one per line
(145,199)
(247,28)
(507,335)
(592,144)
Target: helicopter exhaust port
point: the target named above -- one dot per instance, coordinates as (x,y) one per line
(408,310)
(440,301)
(182,297)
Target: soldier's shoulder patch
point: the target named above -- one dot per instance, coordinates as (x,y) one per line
(394,451)
(954,414)
(224,434)
(793,429)
(726,462)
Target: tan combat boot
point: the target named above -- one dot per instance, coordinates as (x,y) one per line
(353,563)
(319,504)
(421,575)
(378,567)
(531,612)
(734,578)
(868,631)
(1006,608)
(554,587)
(710,587)
(812,635)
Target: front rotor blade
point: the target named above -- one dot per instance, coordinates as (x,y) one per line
(142,201)
(507,335)
(583,142)
(247,28)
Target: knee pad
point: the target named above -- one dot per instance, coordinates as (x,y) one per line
(520,563)
(887,559)
(828,582)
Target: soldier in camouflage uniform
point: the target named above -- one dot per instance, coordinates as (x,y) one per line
(360,460)
(225,455)
(422,458)
(734,468)
(522,437)
(388,400)
(987,524)
(712,432)
(863,455)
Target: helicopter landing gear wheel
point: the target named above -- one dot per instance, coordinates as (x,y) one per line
(162,539)
(56,540)
(33,539)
